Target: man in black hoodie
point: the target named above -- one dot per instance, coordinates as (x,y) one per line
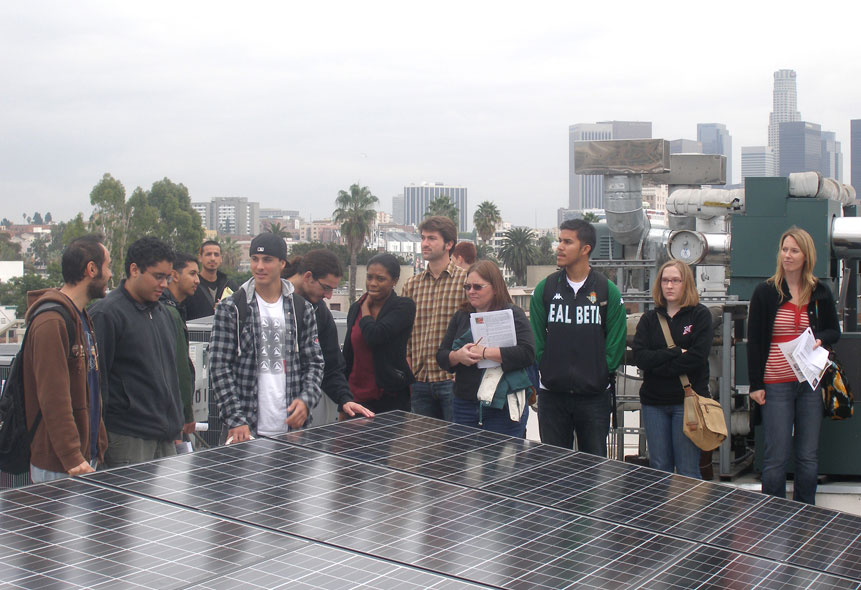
(214,284)
(137,340)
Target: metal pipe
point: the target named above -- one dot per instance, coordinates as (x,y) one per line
(693,247)
(623,207)
(846,237)
(706,203)
(813,184)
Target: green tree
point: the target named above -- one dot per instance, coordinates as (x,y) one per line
(14,291)
(355,212)
(279,230)
(485,220)
(48,218)
(444,206)
(230,255)
(5,222)
(546,255)
(111,218)
(73,229)
(518,251)
(591,217)
(165,212)
(9,250)
(37,218)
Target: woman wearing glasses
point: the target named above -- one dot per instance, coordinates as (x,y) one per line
(661,394)
(378,327)
(781,308)
(459,353)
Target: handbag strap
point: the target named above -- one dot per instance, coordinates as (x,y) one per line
(665,328)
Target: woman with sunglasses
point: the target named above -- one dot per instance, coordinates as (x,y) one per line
(378,327)
(485,291)
(781,308)
(662,396)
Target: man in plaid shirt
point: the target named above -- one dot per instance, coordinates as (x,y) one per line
(266,372)
(438,293)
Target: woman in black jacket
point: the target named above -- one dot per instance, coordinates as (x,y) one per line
(375,349)
(485,291)
(662,395)
(781,308)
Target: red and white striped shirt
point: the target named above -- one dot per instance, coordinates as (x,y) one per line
(789,323)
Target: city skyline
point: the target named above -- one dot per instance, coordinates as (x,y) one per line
(281,106)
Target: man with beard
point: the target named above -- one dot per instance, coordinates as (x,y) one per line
(214,284)
(61,385)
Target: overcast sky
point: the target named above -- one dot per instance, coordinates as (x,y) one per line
(287,104)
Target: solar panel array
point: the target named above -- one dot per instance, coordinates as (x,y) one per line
(403,501)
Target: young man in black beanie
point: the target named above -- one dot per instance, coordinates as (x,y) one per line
(266,363)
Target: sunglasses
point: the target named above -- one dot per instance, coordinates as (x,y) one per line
(474,286)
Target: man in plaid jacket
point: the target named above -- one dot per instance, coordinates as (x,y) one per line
(266,372)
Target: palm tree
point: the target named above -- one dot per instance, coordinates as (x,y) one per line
(591,217)
(485,220)
(444,206)
(279,230)
(518,251)
(355,212)
(546,255)
(230,254)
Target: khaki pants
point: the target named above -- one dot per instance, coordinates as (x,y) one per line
(126,450)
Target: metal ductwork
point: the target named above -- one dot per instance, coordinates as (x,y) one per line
(705,203)
(623,207)
(693,247)
(846,237)
(813,184)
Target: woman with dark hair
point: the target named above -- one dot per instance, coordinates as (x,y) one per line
(781,308)
(486,291)
(662,396)
(378,327)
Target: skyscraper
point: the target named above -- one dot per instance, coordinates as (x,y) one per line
(417,197)
(716,140)
(398,209)
(832,157)
(800,147)
(586,191)
(757,160)
(784,109)
(855,154)
(685,146)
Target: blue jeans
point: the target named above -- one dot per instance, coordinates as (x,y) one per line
(792,413)
(433,399)
(562,414)
(466,413)
(669,448)
(39,475)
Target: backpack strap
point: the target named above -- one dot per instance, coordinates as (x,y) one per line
(299,312)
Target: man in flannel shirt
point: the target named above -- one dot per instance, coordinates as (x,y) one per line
(438,293)
(266,372)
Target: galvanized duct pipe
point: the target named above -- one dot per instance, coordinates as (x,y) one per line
(706,203)
(846,237)
(623,207)
(813,184)
(693,247)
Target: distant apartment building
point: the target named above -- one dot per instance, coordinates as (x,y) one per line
(715,139)
(685,146)
(855,154)
(398,209)
(832,156)
(322,230)
(230,215)
(586,191)
(269,213)
(784,110)
(757,160)
(417,197)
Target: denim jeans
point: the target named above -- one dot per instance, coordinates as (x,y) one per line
(669,448)
(791,418)
(562,414)
(39,475)
(495,420)
(433,399)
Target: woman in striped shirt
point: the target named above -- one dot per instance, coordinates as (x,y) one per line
(781,309)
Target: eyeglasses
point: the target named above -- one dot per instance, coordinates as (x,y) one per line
(474,287)
(159,277)
(326,288)
(671,281)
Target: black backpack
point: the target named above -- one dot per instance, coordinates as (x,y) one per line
(15,439)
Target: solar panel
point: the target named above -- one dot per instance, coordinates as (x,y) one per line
(402,501)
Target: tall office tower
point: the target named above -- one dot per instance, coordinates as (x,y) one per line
(398,209)
(757,160)
(784,109)
(800,147)
(685,146)
(855,154)
(586,191)
(230,215)
(832,157)
(417,197)
(716,140)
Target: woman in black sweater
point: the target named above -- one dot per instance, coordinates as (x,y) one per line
(375,349)
(781,308)
(662,395)
(486,291)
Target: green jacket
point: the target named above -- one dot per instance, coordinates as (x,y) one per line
(184,366)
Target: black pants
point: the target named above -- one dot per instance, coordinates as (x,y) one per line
(561,415)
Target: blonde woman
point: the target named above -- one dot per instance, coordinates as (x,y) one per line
(662,395)
(781,308)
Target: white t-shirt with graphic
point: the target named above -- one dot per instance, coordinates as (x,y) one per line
(271,381)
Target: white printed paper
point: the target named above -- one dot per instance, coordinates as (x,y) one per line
(808,363)
(495,329)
